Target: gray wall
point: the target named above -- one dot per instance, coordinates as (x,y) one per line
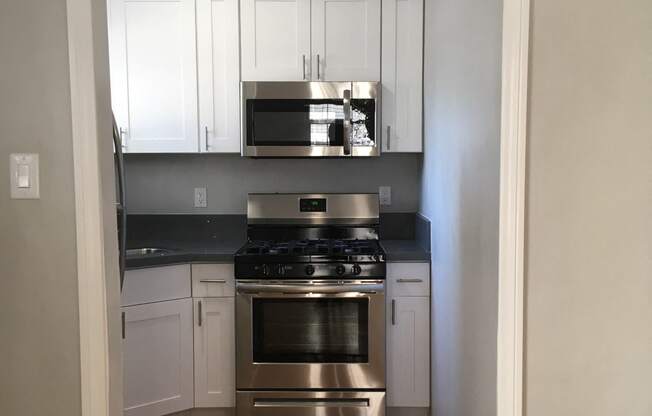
(165,183)
(460,195)
(39,374)
(589,223)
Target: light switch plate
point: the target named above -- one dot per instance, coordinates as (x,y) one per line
(385,195)
(24,175)
(200,198)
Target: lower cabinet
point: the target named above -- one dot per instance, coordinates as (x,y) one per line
(214,352)
(158,358)
(408,335)
(408,346)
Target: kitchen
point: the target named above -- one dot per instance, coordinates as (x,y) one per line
(275,258)
(340,206)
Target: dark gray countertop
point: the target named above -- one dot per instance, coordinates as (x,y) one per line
(405,251)
(215,239)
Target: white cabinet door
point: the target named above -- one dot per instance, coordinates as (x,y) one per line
(218,71)
(402,75)
(275,40)
(408,352)
(346,40)
(153,74)
(158,359)
(214,352)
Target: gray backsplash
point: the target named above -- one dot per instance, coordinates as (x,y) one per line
(164,184)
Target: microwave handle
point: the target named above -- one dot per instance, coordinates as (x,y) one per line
(348,128)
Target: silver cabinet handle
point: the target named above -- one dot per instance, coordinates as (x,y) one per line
(124,329)
(389,137)
(304,66)
(346,125)
(409,280)
(212,281)
(393,312)
(318,70)
(206,136)
(199,313)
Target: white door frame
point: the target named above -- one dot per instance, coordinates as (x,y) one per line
(93,325)
(515,50)
(89,206)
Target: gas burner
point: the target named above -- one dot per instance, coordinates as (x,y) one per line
(315,241)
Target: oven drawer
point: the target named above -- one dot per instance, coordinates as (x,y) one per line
(212,280)
(310,403)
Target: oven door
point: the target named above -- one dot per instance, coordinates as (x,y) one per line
(302,119)
(310,335)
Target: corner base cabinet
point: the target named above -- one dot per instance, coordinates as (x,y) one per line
(408,335)
(158,358)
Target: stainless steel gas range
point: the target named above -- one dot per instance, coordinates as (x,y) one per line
(310,307)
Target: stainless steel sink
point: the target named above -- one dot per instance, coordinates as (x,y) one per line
(147,251)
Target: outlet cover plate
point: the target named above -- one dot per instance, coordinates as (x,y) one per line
(200,198)
(385,195)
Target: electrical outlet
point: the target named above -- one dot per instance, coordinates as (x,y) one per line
(200,198)
(385,195)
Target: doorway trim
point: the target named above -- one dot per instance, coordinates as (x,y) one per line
(510,337)
(91,271)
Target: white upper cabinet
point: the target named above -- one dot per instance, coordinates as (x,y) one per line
(402,63)
(153,74)
(275,40)
(218,71)
(346,40)
(318,40)
(214,352)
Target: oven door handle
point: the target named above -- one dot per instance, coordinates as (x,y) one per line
(287,289)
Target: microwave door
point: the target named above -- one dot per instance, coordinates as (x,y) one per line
(309,119)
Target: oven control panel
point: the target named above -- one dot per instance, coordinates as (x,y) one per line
(309,270)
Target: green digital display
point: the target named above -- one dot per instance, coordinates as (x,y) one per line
(312,205)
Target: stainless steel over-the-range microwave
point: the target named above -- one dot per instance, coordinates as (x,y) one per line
(310,119)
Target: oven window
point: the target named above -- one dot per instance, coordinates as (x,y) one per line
(310,330)
(296,122)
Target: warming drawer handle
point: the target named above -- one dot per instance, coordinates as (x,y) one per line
(312,403)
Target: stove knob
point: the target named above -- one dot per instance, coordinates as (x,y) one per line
(339,269)
(265,269)
(310,270)
(356,269)
(280,270)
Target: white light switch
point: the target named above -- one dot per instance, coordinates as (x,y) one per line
(24,174)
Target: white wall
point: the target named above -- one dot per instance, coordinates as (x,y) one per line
(39,346)
(589,203)
(165,183)
(460,191)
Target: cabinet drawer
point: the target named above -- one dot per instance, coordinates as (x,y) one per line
(212,280)
(408,279)
(156,284)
